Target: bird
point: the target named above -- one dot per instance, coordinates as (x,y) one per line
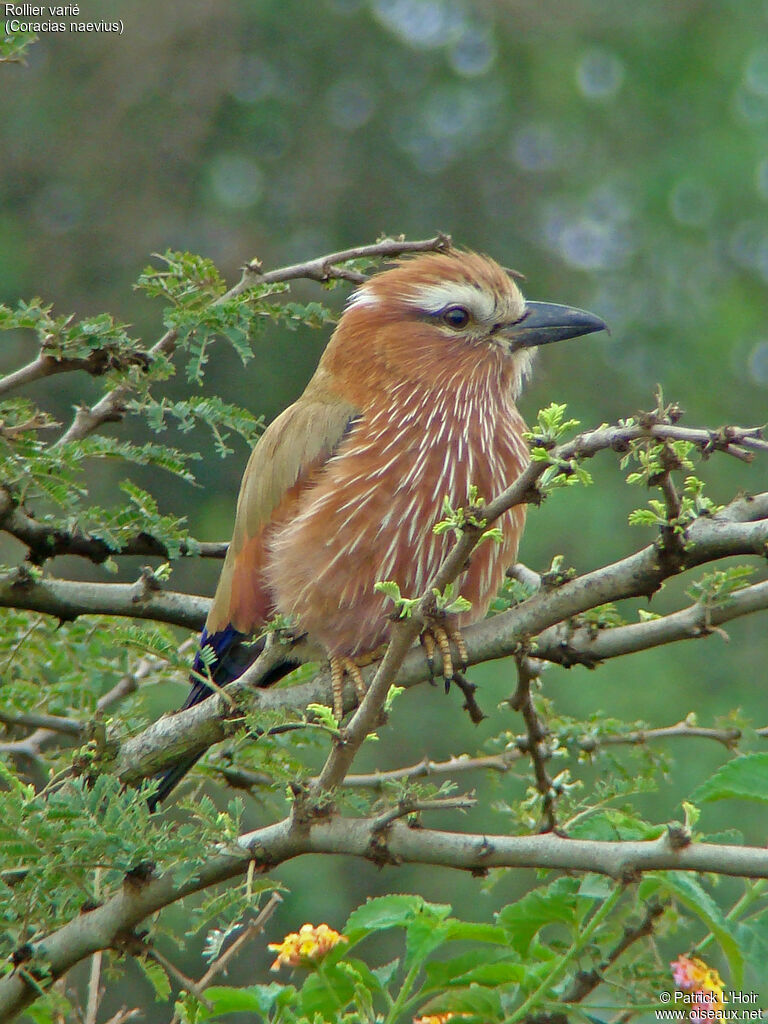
(413,403)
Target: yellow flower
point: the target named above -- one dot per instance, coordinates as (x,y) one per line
(305,947)
(440,1018)
(704,983)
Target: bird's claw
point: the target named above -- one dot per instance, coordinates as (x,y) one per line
(428,643)
(438,637)
(341,667)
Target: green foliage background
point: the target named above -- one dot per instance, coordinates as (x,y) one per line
(616,154)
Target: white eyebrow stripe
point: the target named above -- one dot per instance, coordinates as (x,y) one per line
(433,297)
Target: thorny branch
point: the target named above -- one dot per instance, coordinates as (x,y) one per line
(542,621)
(27,752)
(327,268)
(517,750)
(103,927)
(46,365)
(112,406)
(546,624)
(250,932)
(44,540)
(528,671)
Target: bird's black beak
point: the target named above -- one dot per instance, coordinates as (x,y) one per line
(544,322)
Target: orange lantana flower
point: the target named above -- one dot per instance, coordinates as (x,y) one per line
(440,1018)
(305,947)
(704,983)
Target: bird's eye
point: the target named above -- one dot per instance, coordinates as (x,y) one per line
(456,317)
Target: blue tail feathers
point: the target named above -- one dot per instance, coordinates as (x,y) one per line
(233,652)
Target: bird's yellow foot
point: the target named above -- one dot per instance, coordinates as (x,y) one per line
(341,667)
(438,637)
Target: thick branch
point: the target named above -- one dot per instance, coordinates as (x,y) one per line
(67,599)
(398,843)
(192,731)
(41,367)
(567,646)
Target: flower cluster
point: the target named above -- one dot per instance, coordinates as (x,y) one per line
(305,947)
(440,1018)
(704,984)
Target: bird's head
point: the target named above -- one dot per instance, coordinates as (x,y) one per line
(455,310)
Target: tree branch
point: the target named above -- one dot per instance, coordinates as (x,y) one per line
(96,364)
(67,599)
(94,989)
(534,743)
(112,406)
(41,367)
(34,720)
(503,762)
(537,621)
(326,268)
(45,540)
(26,752)
(103,927)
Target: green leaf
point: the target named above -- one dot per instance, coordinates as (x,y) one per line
(423,936)
(50,1009)
(157,978)
(222,418)
(596,887)
(359,971)
(326,992)
(483,1003)
(390,589)
(471,931)
(477,967)
(689,891)
(256,999)
(324,716)
(609,824)
(714,588)
(752,937)
(394,911)
(13,48)
(743,778)
(555,904)
(386,973)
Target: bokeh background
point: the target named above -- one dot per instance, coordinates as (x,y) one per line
(616,154)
